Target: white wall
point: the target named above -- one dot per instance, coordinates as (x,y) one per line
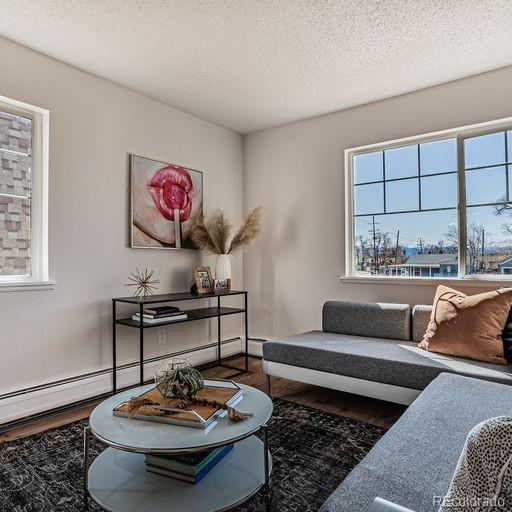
(296,172)
(94,125)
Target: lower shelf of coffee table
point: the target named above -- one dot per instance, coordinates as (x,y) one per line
(119,482)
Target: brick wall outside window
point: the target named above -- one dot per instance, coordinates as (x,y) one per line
(15,191)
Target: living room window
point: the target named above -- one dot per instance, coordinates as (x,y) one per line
(436,206)
(23,195)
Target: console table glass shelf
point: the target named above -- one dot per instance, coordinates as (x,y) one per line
(192,316)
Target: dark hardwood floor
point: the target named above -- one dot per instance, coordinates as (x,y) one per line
(365,409)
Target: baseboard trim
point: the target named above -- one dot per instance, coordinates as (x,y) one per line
(93,400)
(25,420)
(81,389)
(256,346)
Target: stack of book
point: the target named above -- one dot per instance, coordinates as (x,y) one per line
(162,314)
(189,467)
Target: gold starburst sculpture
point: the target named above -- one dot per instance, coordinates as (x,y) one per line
(143,282)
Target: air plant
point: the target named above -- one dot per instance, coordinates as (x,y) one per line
(178,379)
(213,236)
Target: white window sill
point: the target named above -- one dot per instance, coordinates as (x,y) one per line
(27,286)
(473,281)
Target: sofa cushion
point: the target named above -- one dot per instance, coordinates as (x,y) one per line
(416,458)
(368,319)
(375,359)
(420,320)
(468,325)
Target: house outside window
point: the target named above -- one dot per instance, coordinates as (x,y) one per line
(23,194)
(435,206)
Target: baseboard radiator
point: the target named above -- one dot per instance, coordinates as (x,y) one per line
(33,401)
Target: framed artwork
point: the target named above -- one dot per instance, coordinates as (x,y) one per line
(203,279)
(221,285)
(164,199)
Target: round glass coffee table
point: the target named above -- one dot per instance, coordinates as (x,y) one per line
(117,479)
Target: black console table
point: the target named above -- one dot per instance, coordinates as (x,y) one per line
(192,315)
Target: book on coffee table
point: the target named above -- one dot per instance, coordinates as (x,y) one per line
(190,467)
(224,392)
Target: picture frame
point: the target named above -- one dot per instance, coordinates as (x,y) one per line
(203,279)
(221,285)
(164,199)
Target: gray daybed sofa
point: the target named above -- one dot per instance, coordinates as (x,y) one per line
(371,349)
(413,463)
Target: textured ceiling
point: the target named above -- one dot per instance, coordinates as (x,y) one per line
(248,65)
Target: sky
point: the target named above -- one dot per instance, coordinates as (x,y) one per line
(430,170)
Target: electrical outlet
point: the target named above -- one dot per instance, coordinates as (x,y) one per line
(162,336)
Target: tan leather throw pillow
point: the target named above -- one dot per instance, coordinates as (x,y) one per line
(468,326)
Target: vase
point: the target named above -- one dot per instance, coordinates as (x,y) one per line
(223,268)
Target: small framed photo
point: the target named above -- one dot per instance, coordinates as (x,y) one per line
(221,285)
(203,279)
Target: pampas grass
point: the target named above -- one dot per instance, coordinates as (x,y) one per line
(213,236)
(201,237)
(248,232)
(220,228)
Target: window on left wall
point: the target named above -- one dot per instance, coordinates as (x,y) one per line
(23,194)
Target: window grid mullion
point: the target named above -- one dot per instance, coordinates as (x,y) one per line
(479,205)
(406,211)
(506,167)
(384,179)
(389,180)
(14,152)
(461,207)
(15,196)
(419,178)
(490,166)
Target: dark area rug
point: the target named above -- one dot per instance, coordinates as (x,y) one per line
(313,452)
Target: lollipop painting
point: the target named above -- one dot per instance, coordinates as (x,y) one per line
(165,199)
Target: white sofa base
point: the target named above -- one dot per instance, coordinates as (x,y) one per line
(388,392)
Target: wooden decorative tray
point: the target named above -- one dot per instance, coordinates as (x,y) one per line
(198,416)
